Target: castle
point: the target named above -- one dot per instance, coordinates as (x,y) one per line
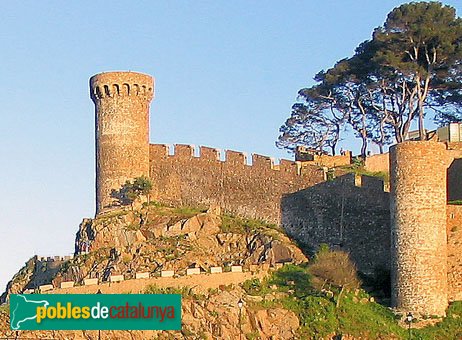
(411,230)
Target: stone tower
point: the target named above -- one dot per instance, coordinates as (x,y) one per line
(122,102)
(418,227)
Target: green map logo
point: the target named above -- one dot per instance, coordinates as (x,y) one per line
(24,309)
(95,312)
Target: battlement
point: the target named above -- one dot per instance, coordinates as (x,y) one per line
(192,176)
(227,157)
(121,84)
(122,102)
(54,258)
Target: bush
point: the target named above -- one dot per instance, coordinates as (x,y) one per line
(334,268)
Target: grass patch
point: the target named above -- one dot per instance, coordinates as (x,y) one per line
(183,291)
(111,214)
(358,168)
(326,312)
(455,202)
(238,225)
(449,328)
(180,213)
(319,313)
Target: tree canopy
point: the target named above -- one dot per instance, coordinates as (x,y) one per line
(411,66)
(132,190)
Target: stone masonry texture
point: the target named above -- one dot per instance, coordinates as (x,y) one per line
(349,213)
(253,191)
(418,224)
(454,230)
(122,130)
(410,230)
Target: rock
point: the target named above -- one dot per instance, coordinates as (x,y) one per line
(264,249)
(279,253)
(276,322)
(223,238)
(191,225)
(210,224)
(175,229)
(214,209)
(254,298)
(269,297)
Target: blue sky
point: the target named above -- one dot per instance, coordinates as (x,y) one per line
(227,73)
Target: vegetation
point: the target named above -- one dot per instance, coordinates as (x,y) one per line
(411,66)
(183,291)
(179,213)
(132,190)
(238,225)
(296,288)
(358,168)
(334,268)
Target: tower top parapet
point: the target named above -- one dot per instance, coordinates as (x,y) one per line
(120,83)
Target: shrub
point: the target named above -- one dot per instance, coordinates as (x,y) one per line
(334,268)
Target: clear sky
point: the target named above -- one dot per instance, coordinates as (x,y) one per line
(227,73)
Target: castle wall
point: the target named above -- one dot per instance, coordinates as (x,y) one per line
(418,224)
(378,163)
(454,232)
(351,213)
(253,191)
(330,161)
(122,130)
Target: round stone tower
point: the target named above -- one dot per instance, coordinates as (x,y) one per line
(122,130)
(418,227)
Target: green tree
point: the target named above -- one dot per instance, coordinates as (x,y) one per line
(312,127)
(412,64)
(132,190)
(420,48)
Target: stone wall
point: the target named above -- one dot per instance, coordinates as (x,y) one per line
(186,178)
(418,224)
(350,212)
(454,232)
(330,161)
(377,163)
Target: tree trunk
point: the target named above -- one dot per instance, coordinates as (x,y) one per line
(364,147)
(422,133)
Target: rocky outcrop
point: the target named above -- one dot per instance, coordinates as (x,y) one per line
(211,316)
(151,239)
(156,238)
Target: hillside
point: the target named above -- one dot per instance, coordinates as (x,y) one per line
(155,238)
(297,301)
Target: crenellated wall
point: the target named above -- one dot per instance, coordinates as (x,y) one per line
(253,191)
(350,212)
